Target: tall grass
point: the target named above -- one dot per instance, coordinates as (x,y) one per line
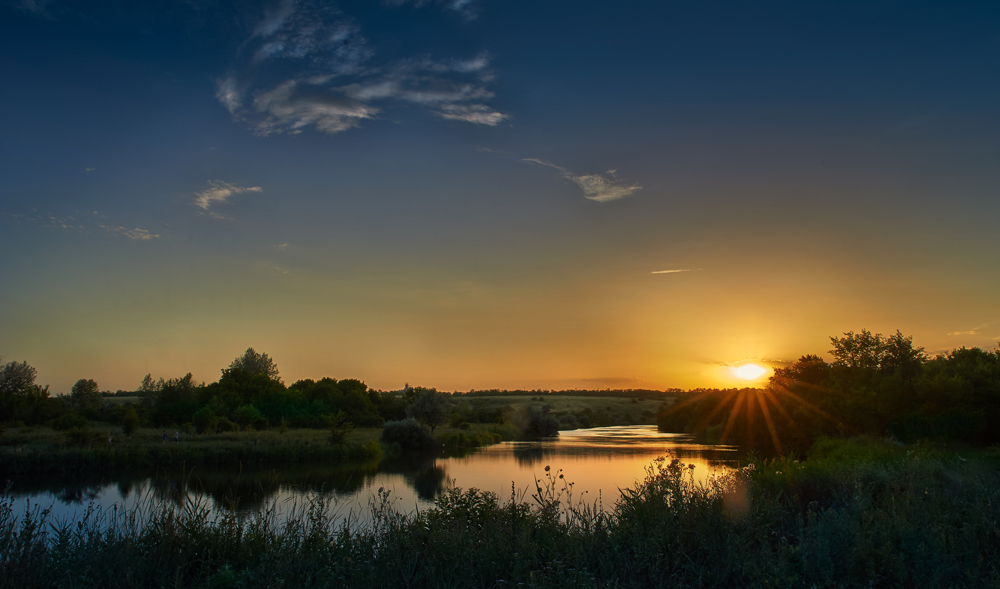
(857,513)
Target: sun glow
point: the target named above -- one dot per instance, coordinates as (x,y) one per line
(749,371)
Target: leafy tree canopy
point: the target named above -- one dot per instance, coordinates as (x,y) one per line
(16,378)
(255,363)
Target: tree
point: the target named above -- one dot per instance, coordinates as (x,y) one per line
(148,386)
(429,407)
(255,363)
(16,378)
(867,351)
(86,394)
(17,385)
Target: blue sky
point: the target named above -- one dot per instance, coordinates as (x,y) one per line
(475,194)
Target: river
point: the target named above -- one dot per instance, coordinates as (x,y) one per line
(599,462)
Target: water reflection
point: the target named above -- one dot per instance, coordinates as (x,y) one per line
(599,461)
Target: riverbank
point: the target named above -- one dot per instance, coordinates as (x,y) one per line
(41,451)
(859,512)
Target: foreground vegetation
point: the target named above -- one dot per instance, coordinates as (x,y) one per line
(860,512)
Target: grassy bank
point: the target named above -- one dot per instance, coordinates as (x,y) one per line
(42,451)
(854,513)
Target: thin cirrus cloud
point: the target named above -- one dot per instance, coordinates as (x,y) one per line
(973,331)
(136,233)
(602,188)
(670,271)
(467,9)
(306,65)
(219,192)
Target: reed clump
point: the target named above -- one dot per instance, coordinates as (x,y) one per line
(854,513)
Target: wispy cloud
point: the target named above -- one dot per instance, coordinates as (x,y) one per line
(467,9)
(973,331)
(36,7)
(136,233)
(89,169)
(306,65)
(86,223)
(602,188)
(669,271)
(218,192)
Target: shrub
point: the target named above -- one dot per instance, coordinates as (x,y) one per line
(338,425)
(408,433)
(81,436)
(205,420)
(130,421)
(68,421)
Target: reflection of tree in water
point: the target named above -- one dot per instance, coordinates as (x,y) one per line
(429,482)
(252,489)
(125,487)
(420,471)
(173,490)
(78,494)
(529,455)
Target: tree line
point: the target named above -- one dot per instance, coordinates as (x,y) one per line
(877,385)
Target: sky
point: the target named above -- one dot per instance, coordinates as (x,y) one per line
(476,194)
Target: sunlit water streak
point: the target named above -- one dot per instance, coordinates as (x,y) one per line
(598,461)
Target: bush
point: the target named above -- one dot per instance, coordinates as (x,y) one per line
(81,436)
(130,421)
(339,426)
(249,416)
(408,433)
(68,421)
(205,420)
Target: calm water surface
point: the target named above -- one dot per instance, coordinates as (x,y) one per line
(598,461)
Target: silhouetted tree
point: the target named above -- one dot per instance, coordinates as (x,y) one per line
(255,363)
(17,380)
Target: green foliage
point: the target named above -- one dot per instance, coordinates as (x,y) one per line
(338,425)
(68,421)
(408,433)
(16,380)
(82,436)
(249,416)
(429,407)
(205,420)
(176,401)
(130,421)
(256,364)
(541,423)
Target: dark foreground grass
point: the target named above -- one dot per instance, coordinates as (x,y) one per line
(857,513)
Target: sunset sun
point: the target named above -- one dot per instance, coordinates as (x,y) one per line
(749,371)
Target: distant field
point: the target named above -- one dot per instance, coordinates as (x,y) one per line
(566,409)
(122,400)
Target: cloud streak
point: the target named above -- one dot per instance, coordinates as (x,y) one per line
(467,9)
(598,187)
(136,233)
(218,192)
(306,65)
(973,331)
(669,271)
